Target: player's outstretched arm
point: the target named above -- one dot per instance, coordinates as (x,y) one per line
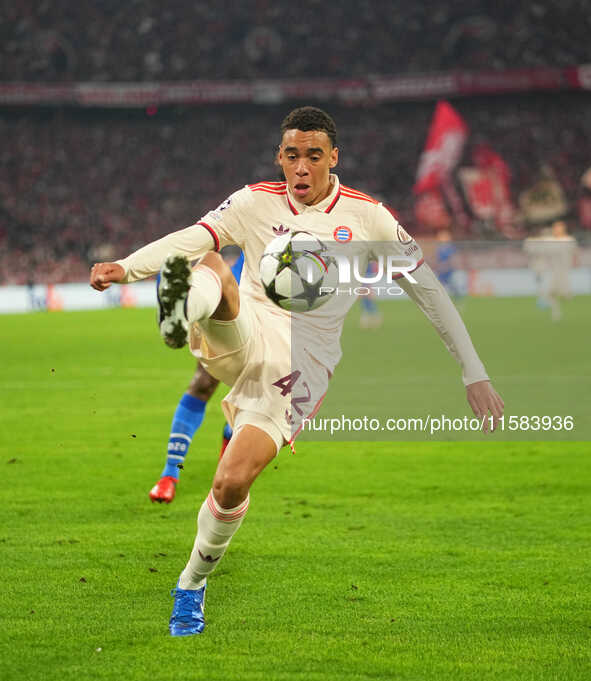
(103,274)
(485,401)
(193,241)
(435,302)
(426,291)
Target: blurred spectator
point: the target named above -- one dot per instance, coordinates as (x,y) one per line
(102,40)
(78,186)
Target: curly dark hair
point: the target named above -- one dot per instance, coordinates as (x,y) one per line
(307,118)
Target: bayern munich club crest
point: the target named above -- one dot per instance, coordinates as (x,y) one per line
(342,234)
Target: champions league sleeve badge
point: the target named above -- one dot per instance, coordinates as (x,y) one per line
(403,236)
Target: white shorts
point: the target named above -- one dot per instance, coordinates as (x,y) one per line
(254,355)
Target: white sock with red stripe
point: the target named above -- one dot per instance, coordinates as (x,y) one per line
(215,528)
(204,295)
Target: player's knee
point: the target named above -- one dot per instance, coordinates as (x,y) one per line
(215,262)
(230,487)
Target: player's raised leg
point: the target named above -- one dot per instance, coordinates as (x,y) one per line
(173,287)
(187,419)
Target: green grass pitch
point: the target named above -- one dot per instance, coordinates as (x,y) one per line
(360,560)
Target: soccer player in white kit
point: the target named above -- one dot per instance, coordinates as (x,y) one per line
(551,257)
(278,374)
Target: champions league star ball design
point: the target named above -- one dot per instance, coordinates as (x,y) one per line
(297,272)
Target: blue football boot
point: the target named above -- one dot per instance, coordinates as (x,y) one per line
(187,612)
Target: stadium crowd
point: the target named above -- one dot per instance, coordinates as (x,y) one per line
(55,40)
(77,187)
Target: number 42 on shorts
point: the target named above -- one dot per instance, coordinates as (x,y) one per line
(286,385)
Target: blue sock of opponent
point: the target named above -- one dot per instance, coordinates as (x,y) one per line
(187,418)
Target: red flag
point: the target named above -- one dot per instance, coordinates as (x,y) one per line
(443,150)
(479,192)
(493,167)
(486,158)
(431,211)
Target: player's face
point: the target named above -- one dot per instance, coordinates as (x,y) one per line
(306,159)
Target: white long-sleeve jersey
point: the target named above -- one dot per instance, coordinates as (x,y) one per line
(254,215)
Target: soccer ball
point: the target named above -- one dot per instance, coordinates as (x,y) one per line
(297,272)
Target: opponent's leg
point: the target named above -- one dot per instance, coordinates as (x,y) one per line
(188,417)
(371,317)
(226,437)
(221,514)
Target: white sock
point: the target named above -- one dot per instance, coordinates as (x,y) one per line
(205,293)
(215,528)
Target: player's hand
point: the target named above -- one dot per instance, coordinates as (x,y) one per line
(484,399)
(103,274)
